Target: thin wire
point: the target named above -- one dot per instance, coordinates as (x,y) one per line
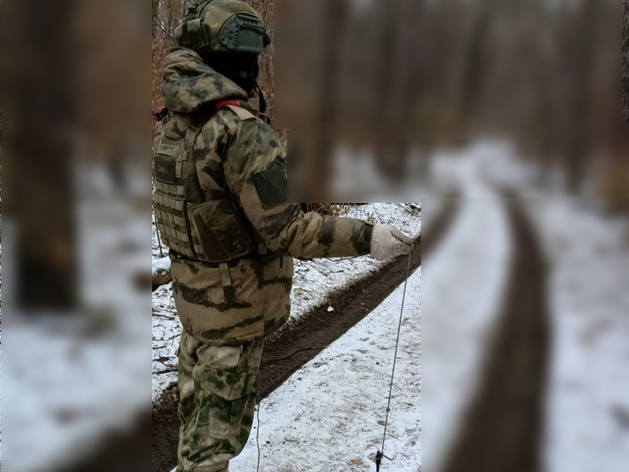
(397,344)
(341,259)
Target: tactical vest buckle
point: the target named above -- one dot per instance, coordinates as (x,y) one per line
(226,279)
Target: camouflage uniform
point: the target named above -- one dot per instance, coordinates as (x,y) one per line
(217,398)
(232,236)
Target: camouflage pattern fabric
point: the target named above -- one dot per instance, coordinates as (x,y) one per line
(238,156)
(261,299)
(189,83)
(217,388)
(230,186)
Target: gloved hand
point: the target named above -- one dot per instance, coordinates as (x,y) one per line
(387,242)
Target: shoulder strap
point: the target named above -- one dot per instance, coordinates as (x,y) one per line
(242,113)
(236,107)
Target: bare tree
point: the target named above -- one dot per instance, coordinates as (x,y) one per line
(625,60)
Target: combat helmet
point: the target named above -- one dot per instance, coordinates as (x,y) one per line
(222,26)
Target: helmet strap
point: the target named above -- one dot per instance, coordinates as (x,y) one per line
(262,104)
(261,98)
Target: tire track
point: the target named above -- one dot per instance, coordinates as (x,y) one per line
(503,426)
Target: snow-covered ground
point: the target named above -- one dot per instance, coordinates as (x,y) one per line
(463,281)
(325,416)
(312,284)
(329,415)
(70,379)
(587,422)
(587,253)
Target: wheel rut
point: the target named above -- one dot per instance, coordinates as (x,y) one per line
(502,429)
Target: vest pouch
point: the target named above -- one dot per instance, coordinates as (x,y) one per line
(220,231)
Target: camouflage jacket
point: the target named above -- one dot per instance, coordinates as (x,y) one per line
(240,190)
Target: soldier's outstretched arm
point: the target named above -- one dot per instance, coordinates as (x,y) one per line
(255,172)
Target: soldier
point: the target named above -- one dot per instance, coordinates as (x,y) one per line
(221,205)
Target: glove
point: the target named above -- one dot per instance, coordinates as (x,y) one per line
(387,242)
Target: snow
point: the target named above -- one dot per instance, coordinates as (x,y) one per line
(325,417)
(314,280)
(587,253)
(161,265)
(312,283)
(81,387)
(74,378)
(357,177)
(463,282)
(588,391)
(329,415)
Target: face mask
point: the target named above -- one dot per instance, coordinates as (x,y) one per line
(241,68)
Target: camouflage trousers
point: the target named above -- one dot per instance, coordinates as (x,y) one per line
(217,398)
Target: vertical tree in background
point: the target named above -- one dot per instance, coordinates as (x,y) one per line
(166,16)
(452,66)
(625,60)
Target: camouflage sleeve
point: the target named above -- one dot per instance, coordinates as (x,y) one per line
(255,172)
